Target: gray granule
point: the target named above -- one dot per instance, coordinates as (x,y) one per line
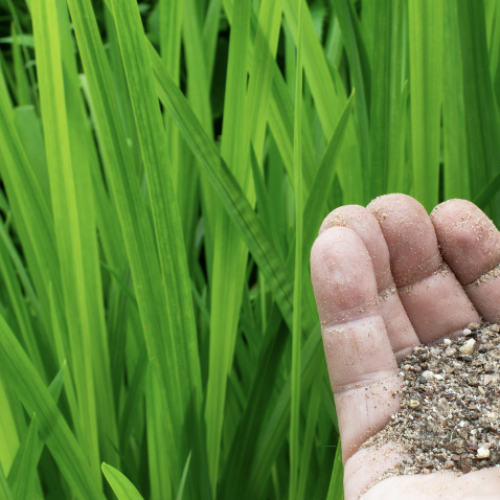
(450,405)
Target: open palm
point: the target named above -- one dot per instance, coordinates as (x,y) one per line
(387,278)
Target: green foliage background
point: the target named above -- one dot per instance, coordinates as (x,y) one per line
(166,166)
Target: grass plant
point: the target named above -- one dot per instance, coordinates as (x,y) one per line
(165,168)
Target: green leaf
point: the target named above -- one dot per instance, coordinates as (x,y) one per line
(5,493)
(297,287)
(75,236)
(456,171)
(314,207)
(480,115)
(426,66)
(235,478)
(123,488)
(24,488)
(336,489)
(26,40)
(17,368)
(360,70)
(228,189)
(230,251)
(180,491)
(177,345)
(388,69)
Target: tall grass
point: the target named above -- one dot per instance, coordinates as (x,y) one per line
(166,166)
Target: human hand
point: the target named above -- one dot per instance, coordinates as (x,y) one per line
(382,287)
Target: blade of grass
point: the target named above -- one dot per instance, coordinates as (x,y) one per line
(16,472)
(134,397)
(138,235)
(387,72)
(24,487)
(426,28)
(228,189)
(316,201)
(481,117)
(309,437)
(261,70)
(5,493)
(336,489)
(123,488)
(30,210)
(180,491)
(23,95)
(235,479)
(199,66)
(9,436)
(68,182)
(456,171)
(17,368)
(230,252)
(171,14)
(274,433)
(360,74)
(180,369)
(297,288)
(210,34)
(18,303)
(30,132)
(159,433)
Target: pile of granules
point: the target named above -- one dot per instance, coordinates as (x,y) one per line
(450,405)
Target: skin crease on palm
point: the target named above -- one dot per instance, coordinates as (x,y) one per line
(387,278)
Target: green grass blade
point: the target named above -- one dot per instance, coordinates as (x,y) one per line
(177,345)
(315,66)
(134,397)
(123,488)
(274,433)
(456,171)
(68,179)
(180,491)
(23,95)
(480,115)
(230,251)
(160,435)
(400,178)
(5,493)
(360,68)
(9,432)
(314,207)
(24,488)
(309,438)
(228,189)
(30,132)
(171,15)
(18,302)
(29,207)
(235,478)
(297,287)
(261,70)
(336,489)
(72,462)
(387,83)
(426,28)
(483,199)
(16,471)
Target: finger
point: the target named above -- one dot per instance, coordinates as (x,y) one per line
(470,244)
(483,484)
(431,295)
(401,334)
(362,367)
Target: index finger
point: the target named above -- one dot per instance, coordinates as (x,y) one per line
(362,367)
